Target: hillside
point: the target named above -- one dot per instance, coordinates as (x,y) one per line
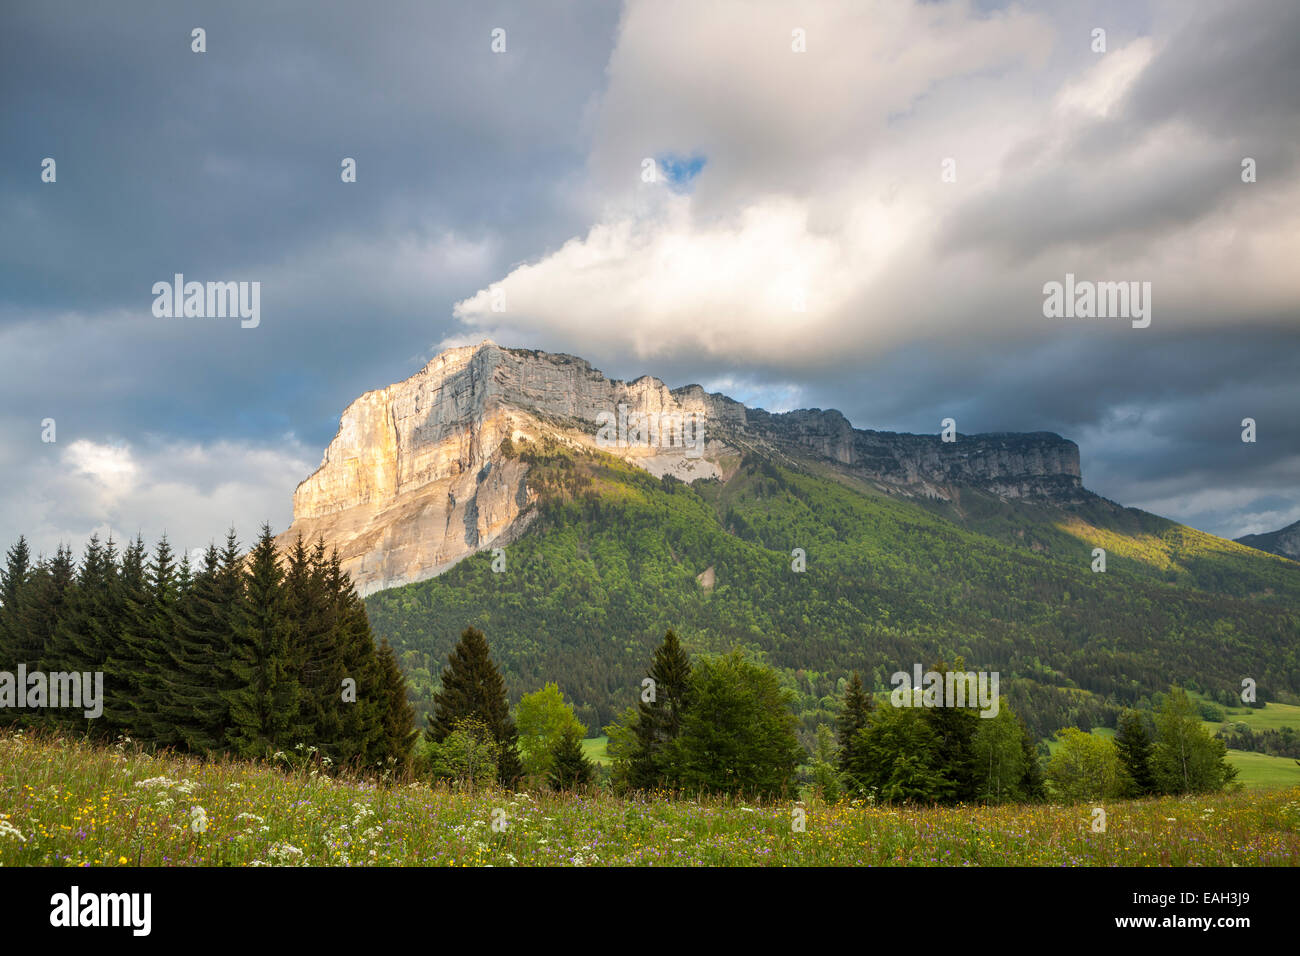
(1285,541)
(417,477)
(616,556)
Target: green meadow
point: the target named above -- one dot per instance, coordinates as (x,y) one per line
(68,803)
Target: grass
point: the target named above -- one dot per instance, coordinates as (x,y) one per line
(596,749)
(1272,716)
(68,803)
(1264,772)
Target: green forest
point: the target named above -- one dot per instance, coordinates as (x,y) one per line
(255,655)
(616,557)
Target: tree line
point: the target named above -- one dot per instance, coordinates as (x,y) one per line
(954,755)
(256,653)
(248,654)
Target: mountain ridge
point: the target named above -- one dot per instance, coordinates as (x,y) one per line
(1284,542)
(414,479)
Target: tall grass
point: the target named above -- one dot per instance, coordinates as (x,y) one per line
(70,803)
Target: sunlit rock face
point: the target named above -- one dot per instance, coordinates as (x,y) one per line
(416,479)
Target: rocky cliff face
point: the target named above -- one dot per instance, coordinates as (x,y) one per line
(1285,542)
(414,480)
(1037,465)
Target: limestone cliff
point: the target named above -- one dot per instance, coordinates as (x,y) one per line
(414,480)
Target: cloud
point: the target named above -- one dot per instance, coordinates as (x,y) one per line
(823,186)
(801,247)
(189,491)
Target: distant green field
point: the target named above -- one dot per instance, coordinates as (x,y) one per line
(1272,716)
(1254,771)
(1262,772)
(596,749)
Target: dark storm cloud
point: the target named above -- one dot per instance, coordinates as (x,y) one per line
(225,165)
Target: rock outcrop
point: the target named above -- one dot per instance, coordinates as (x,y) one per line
(414,480)
(1284,542)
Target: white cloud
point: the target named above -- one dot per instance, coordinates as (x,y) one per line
(823,180)
(192,492)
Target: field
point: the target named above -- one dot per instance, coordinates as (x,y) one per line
(1255,771)
(1272,716)
(67,803)
(596,750)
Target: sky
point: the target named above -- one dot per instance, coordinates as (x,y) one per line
(845,204)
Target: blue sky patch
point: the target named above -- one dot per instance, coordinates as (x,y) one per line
(680,170)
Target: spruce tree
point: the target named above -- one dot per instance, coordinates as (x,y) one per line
(855,714)
(1033,785)
(157,682)
(80,643)
(954,729)
(570,768)
(361,741)
(13,581)
(392,751)
(311,613)
(659,719)
(124,665)
(473,687)
(43,605)
(264,710)
(1134,745)
(201,654)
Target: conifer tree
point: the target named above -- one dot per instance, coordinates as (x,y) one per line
(201,653)
(311,613)
(156,683)
(1134,745)
(570,768)
(81,638)
(43,605)
(659,719)
(397,725)
(473,687)
(264,710)
(954,729)
(1033,785)
(124,664)
(362,715)
(13,581)
(854,716)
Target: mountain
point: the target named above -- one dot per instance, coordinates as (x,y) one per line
(821,548)
(1285,542)
(414,480)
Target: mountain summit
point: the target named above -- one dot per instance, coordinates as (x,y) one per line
(422,473)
